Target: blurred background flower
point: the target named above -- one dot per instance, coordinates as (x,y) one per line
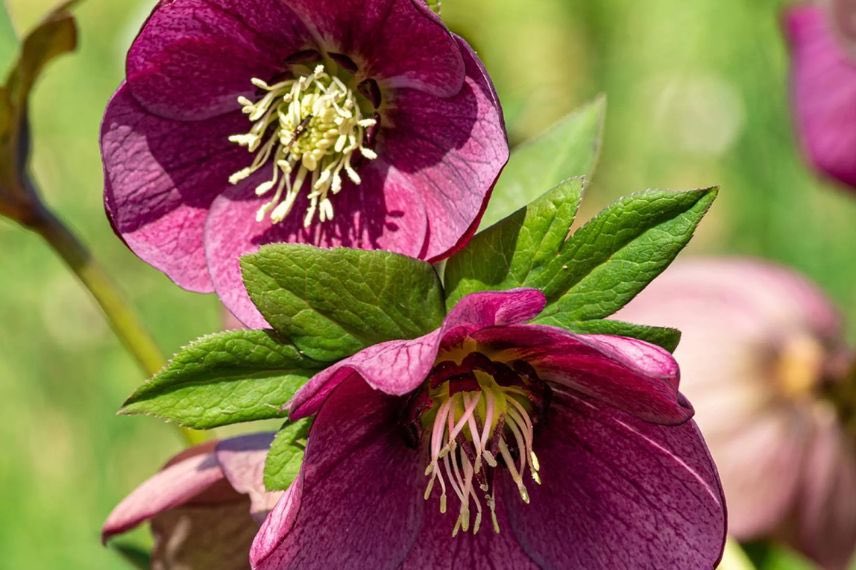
(763,360)
(698,95)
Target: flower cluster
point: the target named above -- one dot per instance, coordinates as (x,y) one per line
(495,440)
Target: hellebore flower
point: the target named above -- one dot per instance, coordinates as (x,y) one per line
(205,506)
(359,123)
(823,47)
(760,348)
(490,443)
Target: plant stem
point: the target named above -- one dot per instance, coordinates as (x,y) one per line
(122,318)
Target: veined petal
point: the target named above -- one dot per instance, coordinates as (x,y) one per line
(358,502)
(618,492)
(243,462)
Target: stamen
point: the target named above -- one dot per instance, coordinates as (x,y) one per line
(309,128)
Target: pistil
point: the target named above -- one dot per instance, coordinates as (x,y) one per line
(307,130)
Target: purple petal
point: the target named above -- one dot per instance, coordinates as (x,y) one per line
(177,484)
(619,493)
(437,549)
(629,374)
(400,42)
(398,367)
(452,150)
(160,178)
(381,213)
(193,58)
(359,501)
(243,462)
(826,509)
(824,92)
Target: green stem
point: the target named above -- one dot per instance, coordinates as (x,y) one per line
(122,318)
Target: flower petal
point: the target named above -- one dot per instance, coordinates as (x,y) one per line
(210,537)
(401,42)
(160,178)
(243,462)
(824,92)
(487,550)
(177,484)
(452,149)
(826,508)
(398,367)
(380,213)
(359,502)
(619,493)
(629,374)
(193,58)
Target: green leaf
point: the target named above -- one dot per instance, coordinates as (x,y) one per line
(614,256)
(225,378)
(286,455)
(334,302)
(664,337)
(514,252)
(135,556)
(568,149)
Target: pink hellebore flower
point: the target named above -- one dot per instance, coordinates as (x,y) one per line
(491,443)
(760,344)
(360,123)
(823,46)
(205,506)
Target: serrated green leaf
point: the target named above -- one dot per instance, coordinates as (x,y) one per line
(225,378)
(664,337)
(614,256)
(334,302)
(513,252)
(568,149)
(286,455)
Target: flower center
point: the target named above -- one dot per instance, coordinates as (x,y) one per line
(478,417)
(305,128)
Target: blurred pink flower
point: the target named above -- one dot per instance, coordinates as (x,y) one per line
(205,505)
(543,449)
(760,346)
(823,78)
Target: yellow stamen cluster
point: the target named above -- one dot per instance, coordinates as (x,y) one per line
(309,129)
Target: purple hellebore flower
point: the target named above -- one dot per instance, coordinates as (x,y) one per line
(360,123)
(823,47)
(490,443)
(205,506)
(760,345)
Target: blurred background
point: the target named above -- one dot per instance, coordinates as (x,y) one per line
(697,96)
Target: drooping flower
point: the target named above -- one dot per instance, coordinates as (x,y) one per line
(822,38)
(761,348)
(491,443)
(361,123)
(204,507)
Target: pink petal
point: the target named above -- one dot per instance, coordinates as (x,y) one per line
(398,367)
(193,58)
(399,41)
(381,213)
(243,462)
(359,501)
(629,374)
(826,508)
(618,492)
(160,178)
(174,486)
(452,150)
(824,92)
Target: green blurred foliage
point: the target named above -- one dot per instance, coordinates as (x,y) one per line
(697,96)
